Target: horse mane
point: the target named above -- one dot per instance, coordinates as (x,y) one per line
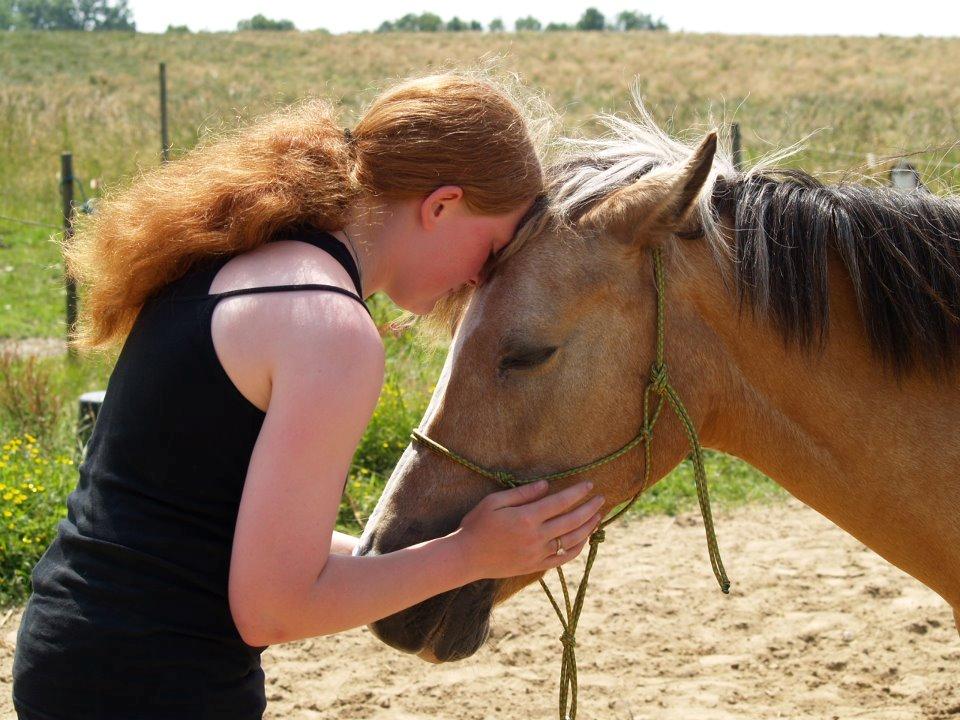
(901,250)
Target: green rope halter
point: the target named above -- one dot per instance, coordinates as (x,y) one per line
(660,386)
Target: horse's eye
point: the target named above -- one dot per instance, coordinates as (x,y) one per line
(526,358)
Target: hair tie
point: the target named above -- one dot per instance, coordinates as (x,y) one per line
(348,136)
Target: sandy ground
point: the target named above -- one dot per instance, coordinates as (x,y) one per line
(815,626)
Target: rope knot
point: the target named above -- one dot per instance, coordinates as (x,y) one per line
(658,378)
(568,639)
(598,537)
(505,478)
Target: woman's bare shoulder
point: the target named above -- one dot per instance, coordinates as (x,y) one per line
(281,262)
(249,330)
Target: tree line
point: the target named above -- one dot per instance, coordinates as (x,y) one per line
(115,15)
(65,15)
(592,19)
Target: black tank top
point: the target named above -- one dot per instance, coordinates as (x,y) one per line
(128,617)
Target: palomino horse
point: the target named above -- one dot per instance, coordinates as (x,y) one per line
(811,330)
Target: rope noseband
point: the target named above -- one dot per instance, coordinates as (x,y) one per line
(659,385)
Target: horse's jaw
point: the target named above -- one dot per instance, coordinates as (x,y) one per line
(450,626)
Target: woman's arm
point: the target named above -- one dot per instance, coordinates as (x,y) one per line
(354,591)
(286,580)
(324,359)
(342,544)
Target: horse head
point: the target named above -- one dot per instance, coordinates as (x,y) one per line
(546,371)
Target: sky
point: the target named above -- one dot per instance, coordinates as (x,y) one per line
(767,17)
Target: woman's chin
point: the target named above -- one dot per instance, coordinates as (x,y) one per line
(420,306)
(428,305)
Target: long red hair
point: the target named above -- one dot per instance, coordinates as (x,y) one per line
(231,193)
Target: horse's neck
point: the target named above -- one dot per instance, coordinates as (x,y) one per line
(879,459)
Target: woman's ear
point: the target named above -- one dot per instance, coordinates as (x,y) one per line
(656,204)
(438,202)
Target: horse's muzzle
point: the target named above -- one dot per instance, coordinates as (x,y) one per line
(449,626)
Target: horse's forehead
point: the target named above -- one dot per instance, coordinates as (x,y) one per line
(534,279)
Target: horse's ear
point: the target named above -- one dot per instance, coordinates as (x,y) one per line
(656,204)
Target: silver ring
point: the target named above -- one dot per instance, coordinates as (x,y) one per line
(560,550)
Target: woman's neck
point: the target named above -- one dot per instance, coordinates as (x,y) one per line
(367,233)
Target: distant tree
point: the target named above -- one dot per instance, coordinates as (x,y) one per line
(102,15)
(555,27)
(592,19)
(6,15)
(496,25)
(67,15)
(527,23)
(429,22)
(177,30)
(408,23)
(260,22)
(46,15)
(631,20)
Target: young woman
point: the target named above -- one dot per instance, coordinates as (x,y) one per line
(202,526)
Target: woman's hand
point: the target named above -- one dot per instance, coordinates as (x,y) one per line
(513,532)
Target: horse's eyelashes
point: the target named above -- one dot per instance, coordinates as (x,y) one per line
(527,358)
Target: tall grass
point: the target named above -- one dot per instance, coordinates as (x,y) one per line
(96,95)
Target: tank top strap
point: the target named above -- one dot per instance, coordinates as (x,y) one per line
(216,297)
(195,284)
(327,242)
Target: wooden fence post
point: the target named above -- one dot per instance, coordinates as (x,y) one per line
(164,136)
(736,147)
(66,196)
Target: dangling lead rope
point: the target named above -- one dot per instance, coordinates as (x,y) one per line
(659,385)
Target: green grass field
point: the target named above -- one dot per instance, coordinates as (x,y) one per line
(96,95)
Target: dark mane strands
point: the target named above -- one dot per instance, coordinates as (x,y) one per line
(900,249)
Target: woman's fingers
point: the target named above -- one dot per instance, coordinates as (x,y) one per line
(520,495)
(569,554)
(578,535)
(562,524)
(560,502)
